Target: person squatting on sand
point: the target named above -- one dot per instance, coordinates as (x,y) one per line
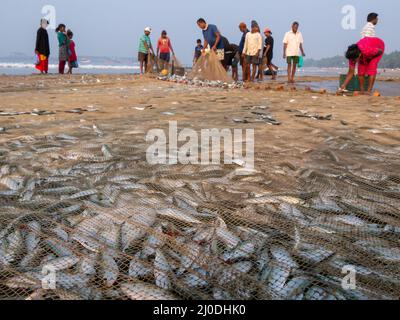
(145,48)
(42,48)
(212,38)
(367,53)
(232,58)
(292,48)
(63,44)
(164,49)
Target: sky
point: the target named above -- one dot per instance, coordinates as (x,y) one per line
(113,28)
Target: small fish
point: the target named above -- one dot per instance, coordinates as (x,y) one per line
(231,273)
(107,152)
(145,291)
(244,250)
(138,269)
(61,264)
(81,195)
(179,215)
(280,254)
(161,271)
(13,183)
(110,270)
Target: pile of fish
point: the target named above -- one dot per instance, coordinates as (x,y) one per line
(110,226)
(201,83)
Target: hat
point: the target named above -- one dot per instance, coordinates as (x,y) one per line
(147,29)
(267,30)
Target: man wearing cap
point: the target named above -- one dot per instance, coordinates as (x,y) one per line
(212,38)
(268,52)
(145,48)
(243,29)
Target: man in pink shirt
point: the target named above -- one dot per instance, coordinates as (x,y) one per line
(164,49)
(367,53)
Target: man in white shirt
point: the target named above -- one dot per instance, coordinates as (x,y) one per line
(292,49)
(369,29)
(252,49)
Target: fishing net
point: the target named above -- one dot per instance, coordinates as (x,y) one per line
(208,67)
(155,65)
(84,216)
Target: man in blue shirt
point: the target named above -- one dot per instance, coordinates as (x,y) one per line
(243,29)
(212,38)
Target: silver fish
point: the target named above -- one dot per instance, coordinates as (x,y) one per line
(144,291)
(110,270)
(161,271)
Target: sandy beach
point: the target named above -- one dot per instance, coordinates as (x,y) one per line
(334,158)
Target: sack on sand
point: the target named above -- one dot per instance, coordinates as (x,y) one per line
(208,67)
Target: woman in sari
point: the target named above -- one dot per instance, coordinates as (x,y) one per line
(42,48)
(63,44)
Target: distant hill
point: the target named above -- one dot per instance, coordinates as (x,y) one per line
(389,61)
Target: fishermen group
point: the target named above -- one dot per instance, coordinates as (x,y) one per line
(254,56)
(66,49)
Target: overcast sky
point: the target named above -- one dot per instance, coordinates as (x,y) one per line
(112,28)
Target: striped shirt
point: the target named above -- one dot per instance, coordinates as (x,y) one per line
(369,30)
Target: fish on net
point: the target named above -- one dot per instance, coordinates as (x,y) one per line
(110,228)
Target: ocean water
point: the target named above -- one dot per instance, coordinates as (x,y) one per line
(24,65)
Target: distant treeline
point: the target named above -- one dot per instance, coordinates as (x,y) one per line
(389,61)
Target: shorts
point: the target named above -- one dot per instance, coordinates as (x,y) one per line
(293,60)
(252,60)
(220,54)
(142,57)
(165,57)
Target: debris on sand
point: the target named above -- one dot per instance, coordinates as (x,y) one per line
(267,118)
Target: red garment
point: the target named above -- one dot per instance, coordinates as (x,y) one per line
(73,57)
(43,65)
(164,44)
(61,67)
(369,61)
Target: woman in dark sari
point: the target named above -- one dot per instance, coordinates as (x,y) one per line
(42,48)
(63,44)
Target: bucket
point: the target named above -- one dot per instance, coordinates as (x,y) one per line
(354,84)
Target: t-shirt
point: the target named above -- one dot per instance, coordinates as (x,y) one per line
(369,48)
(164,44)
(242,41)
(293,41)
(368,30)
(197,51)
(144,38)
(210,35)
(253,44)
(62,39)
(269,41)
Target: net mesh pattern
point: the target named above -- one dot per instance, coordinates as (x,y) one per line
(111,226)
